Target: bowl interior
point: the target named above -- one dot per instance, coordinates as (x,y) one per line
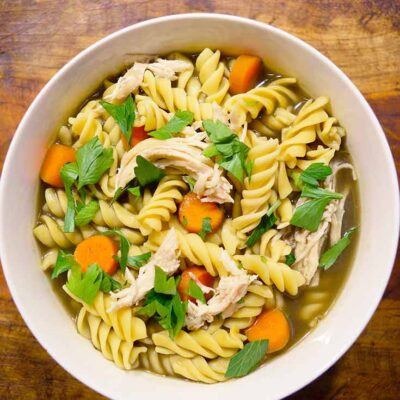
(32,292)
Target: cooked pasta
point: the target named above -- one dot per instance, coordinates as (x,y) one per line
(186,211)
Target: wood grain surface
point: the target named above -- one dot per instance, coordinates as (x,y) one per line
(361,37)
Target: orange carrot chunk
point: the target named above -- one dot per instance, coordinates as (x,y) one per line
(55,158)
(97,250)
(201,275)
(192,212)
(138,134)
(244,73)
(272,325)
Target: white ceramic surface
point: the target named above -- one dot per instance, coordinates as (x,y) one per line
(31,290)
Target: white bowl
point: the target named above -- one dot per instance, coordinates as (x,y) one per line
(31,290)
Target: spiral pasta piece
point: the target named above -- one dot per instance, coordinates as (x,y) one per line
(195,250)
(122,352)
(232,240)
(272,272)
(252,306)
(211,75)
(257,190)
(49,259)
(200,342)
(271,125)
(85,126)
(272,246)
(125,324)
(320,155)
(149,114)
(162,205)
(302,131)
(251,103)
(50,232)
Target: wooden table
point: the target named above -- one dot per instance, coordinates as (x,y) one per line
(361,37)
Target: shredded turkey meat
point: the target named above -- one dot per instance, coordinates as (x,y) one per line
(308,245)
(181,156)
(133,78)
(229,291)
(166,257)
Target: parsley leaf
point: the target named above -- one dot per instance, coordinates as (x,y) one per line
(69,174)
(146,172)
(109,284)
(297,181)
(231,153)
(86,213)
(169,310)
(123,247)
(249,168)
(309,215)
(139,260)
(123,114)
(134,191)
(85,285)
(267,222)
(205,228)
(163,284)
(331,255)
(180,120)
(314,173)
(290,259)
(247,359)
(195,291)
(190,181)
(93,161)
(65,261)
(315,192)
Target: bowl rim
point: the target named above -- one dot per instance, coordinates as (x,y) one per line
(392,180)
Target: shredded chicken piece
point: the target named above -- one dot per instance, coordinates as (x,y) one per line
(127,83)
(166,257)
(308,245)
(132,79)
(181,156)
(229,291)
(168,68)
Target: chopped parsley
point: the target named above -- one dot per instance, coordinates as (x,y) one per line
(123,114)
(180,120)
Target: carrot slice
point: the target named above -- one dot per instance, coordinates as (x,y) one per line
(99,250)
(55,158)
(272,325)
(244,73)
(192,211)
(138,134)
(201,275)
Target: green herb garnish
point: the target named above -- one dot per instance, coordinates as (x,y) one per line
(123,114)
(93,161)
(64,263)
(195,291)
(249,168)
(139,260)
(86,285)
(205,228)
(290,259)
(169,310)
(69,174)
(314,173)
(247,359)
(267,222)
(309,215)
(180,120)
(231,153)
(123,247)
(191,182)
(184,221)
(86,213)
(146,172)
(315,192)
(163,284)
(331,255)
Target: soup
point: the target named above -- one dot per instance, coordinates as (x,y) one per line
(198,215)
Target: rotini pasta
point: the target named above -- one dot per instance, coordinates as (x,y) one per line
(178,225)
